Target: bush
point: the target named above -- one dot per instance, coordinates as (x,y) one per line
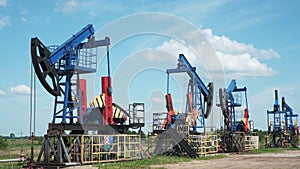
(3,143)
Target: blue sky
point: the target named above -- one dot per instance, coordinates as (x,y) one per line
(256,42)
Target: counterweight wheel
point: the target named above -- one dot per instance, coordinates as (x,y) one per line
(44,70)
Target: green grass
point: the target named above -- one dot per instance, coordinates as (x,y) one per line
(145,163)
(156,160)
(13,150)
(11,165)
(212,157)
(271,150)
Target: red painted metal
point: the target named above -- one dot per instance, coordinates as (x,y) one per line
(108,110)
(171,112)
(169,102)
(83,96)
(191,109)
(246,117)
(168,119)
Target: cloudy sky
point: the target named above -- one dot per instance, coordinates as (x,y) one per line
(255,42)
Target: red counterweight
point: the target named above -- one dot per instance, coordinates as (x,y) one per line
(171,113)
(108,110)
(83,96)
(169,105)
(246,117)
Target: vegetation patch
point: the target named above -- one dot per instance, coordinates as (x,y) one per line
(212,157)
(145,163)
(271,150)
(156,160)
(3,143)
(13,149)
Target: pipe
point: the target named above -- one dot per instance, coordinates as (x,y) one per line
(9,160)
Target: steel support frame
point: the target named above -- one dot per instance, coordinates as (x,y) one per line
(197,104)
(279,133)
(65,150)
(232,103)
(196,87)
(55,151)
(70,101)
(233,141)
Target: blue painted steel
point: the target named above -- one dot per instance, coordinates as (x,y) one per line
(196,86)
(197,98)
(71,43)
(277,118)
(192,73)
(287,107)
(231,89)
(67,55)
(232,102)
(280,117)
(231,86)
(289,116)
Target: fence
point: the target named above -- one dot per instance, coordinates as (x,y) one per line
(251,141)
(83,149)
(205,144)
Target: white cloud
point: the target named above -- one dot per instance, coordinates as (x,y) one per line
(66,6)
(239,60)
(243,65)
(226,45)
(3,3)
(23,19)
(4,21)
(23,12)
(2,92)
(20,89)
(158,100)
(175,48)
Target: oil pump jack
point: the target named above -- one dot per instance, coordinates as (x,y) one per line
(68,140)
(234,130)
(199,97)
(282,125)
(178,126)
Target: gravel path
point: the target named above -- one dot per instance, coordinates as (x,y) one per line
(284,160)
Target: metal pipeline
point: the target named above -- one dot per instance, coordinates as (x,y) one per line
(9,160)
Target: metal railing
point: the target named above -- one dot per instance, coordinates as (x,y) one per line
(82,60)
(251,142)
(106,148)
(205,144)
(87,58)
(88,149)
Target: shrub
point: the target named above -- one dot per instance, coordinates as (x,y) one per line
(3,143)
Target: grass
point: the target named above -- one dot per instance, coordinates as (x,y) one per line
(13,151)
(156,160)
(212,157)
(145,163)
(14,148)
(160,160)
(271,150)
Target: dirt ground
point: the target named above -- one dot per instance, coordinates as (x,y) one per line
(284,160)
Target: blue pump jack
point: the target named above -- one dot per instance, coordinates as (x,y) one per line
(282,125)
